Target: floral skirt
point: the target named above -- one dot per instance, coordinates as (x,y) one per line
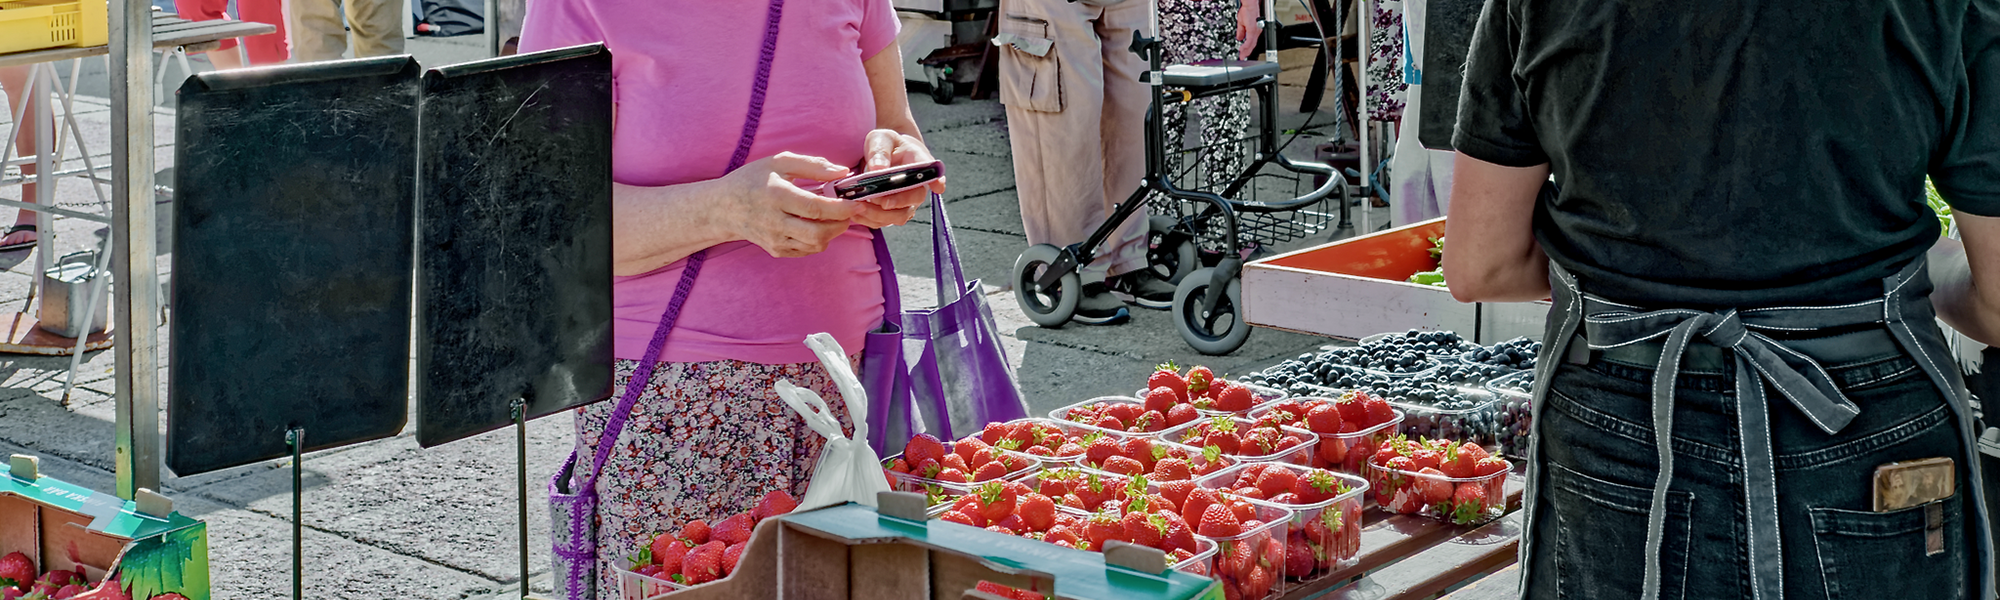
(705,441)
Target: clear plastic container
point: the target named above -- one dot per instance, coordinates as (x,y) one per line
(1109,487)
(939,491)
(1062,414)
(1198,462)
(1259,396)
(1071,430)
(1458,370)
(1266,546)
(1328,531)
(633,586)
(1408,492)
(1198,564)
(1343,452)
(1191,434)
(1516,411)
(1478,423)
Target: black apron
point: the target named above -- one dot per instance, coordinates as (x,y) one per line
(1758,358)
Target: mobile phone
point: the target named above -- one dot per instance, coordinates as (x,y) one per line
(878,183)
(1901,485)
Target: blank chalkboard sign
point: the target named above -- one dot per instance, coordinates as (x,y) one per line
(514,222)
(293,245)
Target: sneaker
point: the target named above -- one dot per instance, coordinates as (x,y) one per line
(1144,288)
(1099,307)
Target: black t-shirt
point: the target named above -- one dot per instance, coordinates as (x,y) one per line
(1739,153)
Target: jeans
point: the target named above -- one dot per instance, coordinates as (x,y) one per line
(1596,440)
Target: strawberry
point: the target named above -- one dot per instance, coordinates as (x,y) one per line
(1037,511)
(61,577)
(954,461)
(1287,442)
(1431,485)
(1125,412)
(695,531)
(994,432)
(953,475)
(1490,465)
(1199,379)
(1145,529)
(1218,521)
(1168,376)
(17,570)
(1015,524)
(990,471)
(1457,464)
(1139,449)
(1060,533)
(1162,399)
(1323,418)
(1108,422)
(1151,421)
(1103,527)
(1175,491)
(968,450)
(1069,449)
(1196,505)
(1234,397)
(1182,414)
(1352,407)
(1316,487)
(1378,411)
(1299,557)
(1427,459)
(1172,469)
(1291,410)
(1276,479)
(1474,451)
(960,517)
(1101,449)
(994,589)
(1124,465)
(1333,451)
(1467,505)
(730,556)
(703,564)
(923,446)
(775,502)
(1226,441)
(733,530)
(1259,581)
(668,550)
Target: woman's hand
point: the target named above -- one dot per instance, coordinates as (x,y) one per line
(887,148)
(761,205)
(1246,28)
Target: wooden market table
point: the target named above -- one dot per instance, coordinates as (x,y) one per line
(1405,557)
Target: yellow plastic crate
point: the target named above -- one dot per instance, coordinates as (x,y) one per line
(38,24)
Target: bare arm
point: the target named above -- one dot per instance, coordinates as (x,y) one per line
(1490,251)
(1967,278)
(651,227)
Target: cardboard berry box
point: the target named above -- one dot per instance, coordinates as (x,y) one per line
(856,552)
(123,549)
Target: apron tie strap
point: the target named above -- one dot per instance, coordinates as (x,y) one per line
(1757,359)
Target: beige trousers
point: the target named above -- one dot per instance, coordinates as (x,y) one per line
(1076,120)
(318,33)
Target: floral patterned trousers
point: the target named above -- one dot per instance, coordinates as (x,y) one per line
(705,440)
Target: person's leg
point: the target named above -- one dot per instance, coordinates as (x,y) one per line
(1053,102)
(317,31)
(267,49)
(14,81)
(1123,139)
(378,27)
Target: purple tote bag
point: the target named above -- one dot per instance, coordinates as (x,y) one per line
(943,371)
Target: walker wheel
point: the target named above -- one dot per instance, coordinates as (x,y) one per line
(1052,306)
(1221,331)
(1171,256)
(942,89)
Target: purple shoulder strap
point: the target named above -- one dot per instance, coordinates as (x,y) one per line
(634,387)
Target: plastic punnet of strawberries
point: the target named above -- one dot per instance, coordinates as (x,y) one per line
(970,460)
(1250,556)
(1012,508)
(1444,479)
(699,553)
(1008,592)
(1350,428)
(1167,390)
(19,580)
(1034,437)
(1238,436)
(1322,532)
(1125,415)
(1163,461)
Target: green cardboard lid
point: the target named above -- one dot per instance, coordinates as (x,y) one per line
(1077,573)
(112,515)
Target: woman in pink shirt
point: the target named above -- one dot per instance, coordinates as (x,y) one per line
(709,437)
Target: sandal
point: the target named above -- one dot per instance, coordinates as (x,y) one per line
(30,228)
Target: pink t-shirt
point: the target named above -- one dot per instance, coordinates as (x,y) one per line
(681,72)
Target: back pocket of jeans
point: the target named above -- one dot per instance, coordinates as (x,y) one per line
(1883,555)
(1600,537)
(1030,73)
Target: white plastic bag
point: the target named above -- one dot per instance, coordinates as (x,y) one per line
(848,469)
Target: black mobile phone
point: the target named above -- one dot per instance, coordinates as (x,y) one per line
(874,184)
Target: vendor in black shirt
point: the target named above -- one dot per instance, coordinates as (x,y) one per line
(1736,244)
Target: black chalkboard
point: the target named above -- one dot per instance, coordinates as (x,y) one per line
(514,224)
(293,235)
(1448,26)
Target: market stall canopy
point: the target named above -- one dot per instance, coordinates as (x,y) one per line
(293,237)
(514,290)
